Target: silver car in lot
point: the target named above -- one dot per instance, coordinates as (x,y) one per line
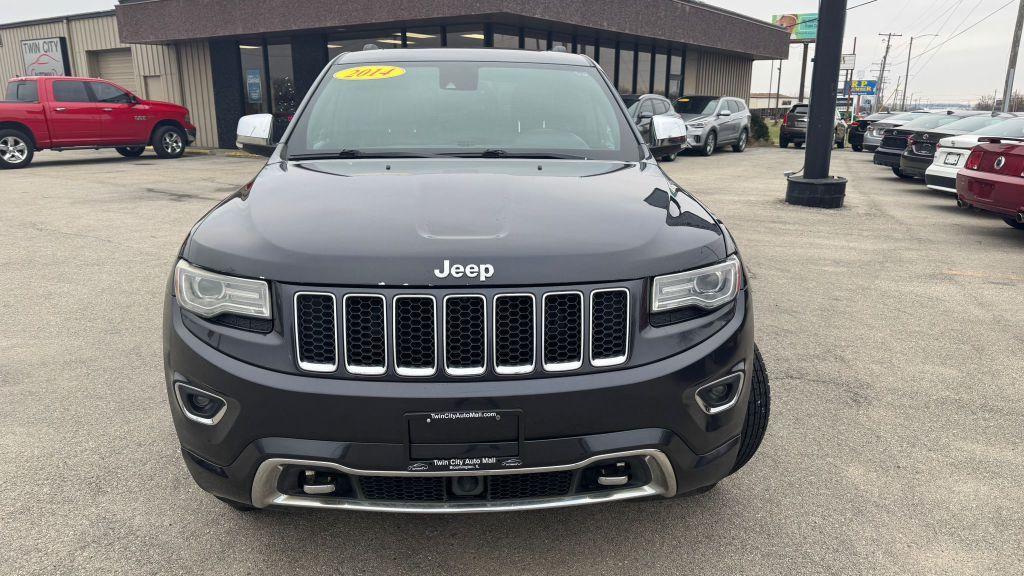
(873,137)
(714,121)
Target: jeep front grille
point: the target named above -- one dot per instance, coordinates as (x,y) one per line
(465,335)
(514,333)
(609,320)
(316,343)
(415,320)
(461,334)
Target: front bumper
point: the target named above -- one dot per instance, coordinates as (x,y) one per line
(360,429)
(888,157)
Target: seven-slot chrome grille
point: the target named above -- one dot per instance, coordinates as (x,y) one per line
(461,334)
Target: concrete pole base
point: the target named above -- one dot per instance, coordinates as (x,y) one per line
(816,192)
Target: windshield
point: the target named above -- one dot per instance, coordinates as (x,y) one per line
(1013,128)
(974,123)
(702,105)
(464,108)
(930,121)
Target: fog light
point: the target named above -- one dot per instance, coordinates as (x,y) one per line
(198,405)
(720,395)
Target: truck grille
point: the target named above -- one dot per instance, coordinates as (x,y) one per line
(470,333)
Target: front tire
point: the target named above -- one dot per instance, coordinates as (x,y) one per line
(783,142)
(759,407)
(742,144)
(1014,223)
(169,142)
(710,144)
(841,143)
(16,149)
(856,147)
(130,151)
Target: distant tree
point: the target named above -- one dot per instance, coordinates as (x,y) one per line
(992,103)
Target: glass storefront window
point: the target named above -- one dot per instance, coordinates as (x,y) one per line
(423,37)
(506,37)
(253,82)
(563,40)
(606,58)
(354,43)
(675,74)
(283,97)
(660,71)
(586,46)
(535,40)
(643,70)
(470,36)
(625,81)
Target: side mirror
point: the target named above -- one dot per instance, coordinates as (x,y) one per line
(254,134)
(725,113)
(644,117)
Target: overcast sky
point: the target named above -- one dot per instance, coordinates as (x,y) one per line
(969,66)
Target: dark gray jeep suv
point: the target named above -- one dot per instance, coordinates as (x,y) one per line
(461,283)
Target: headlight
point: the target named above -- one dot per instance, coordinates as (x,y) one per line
(209,294)
(707,288)
(695,125)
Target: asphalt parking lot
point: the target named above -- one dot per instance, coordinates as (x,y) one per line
(892,331)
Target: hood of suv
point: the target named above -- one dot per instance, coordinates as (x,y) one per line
(394,222)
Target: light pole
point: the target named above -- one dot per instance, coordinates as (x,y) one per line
(906,79)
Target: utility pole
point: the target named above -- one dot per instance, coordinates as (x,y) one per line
(778,89)
(803,71)
(885,58)
(1011,69)
(910,51)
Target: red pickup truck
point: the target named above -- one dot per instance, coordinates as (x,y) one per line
(62,113)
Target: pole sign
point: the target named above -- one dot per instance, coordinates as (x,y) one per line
(849,62)
(802,28)
(863,87)
(45,57)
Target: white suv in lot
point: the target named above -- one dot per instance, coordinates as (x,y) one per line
(952,152)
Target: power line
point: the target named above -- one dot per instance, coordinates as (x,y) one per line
(815,19)
(938,48)
(965,30)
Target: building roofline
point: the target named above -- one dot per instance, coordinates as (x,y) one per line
(687,22)
(54,19)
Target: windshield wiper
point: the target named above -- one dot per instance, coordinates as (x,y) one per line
(354,153)
(499,153)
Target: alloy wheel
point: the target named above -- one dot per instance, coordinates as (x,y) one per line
(172,142)
(13,149)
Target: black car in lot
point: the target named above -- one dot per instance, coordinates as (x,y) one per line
(895,140)
(647,110)
(860,126)
(492,300)
(922,145)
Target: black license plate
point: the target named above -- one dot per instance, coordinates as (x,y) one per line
(470,440)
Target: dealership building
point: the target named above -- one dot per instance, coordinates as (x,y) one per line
(227,58)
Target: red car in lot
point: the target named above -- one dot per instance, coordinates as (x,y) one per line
(993,179)
(61,113)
